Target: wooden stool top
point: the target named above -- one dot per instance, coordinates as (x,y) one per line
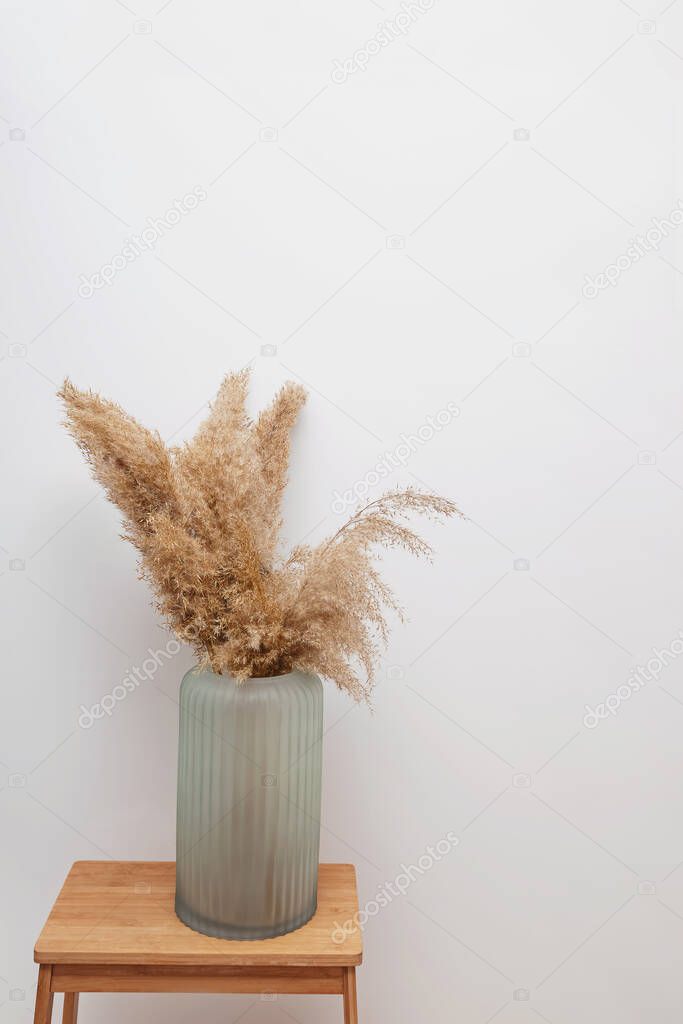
(121,912)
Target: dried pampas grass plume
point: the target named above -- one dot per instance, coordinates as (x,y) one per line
(206,518)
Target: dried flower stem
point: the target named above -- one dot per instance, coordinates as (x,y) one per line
(206,519)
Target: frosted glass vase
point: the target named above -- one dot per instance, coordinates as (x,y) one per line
(249,783)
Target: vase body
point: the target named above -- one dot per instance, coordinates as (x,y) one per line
(249,785)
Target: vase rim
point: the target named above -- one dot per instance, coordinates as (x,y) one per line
(196,671)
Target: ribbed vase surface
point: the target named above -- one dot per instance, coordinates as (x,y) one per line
(249,782)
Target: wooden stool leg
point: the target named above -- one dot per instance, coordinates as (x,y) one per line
(70,1012)
(350,1005)
(44,997)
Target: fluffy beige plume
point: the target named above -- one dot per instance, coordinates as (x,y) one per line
(206,519)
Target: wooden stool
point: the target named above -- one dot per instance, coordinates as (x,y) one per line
(113,929)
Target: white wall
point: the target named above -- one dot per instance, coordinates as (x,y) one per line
(564,899)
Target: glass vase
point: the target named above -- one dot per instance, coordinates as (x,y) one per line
(249,785)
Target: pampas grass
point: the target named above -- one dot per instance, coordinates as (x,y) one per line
(205,518)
